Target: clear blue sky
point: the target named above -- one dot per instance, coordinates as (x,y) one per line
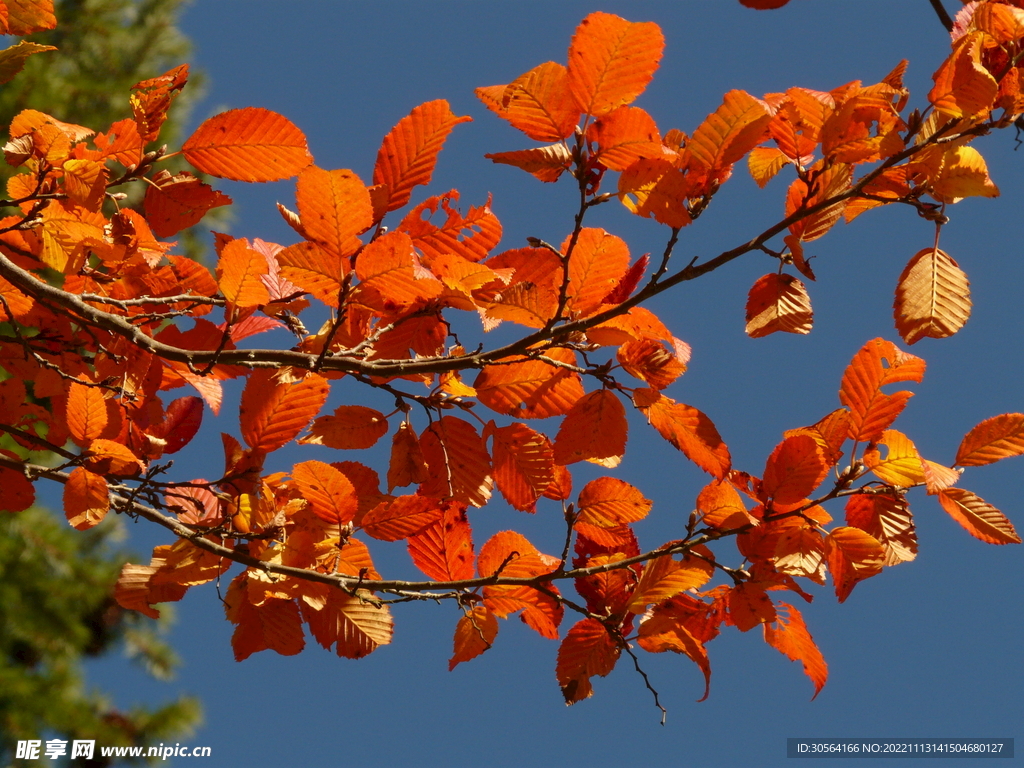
(930,648)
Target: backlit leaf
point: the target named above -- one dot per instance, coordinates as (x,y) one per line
(853,556)
(546,163)
(789,636)
(593,430)
(275,624)
(539,103)
(611,61)
(795,468)
(963,87)
(409,152)
(327,490)
(174,203)
(978,517)
(687,429)
(444,549)
(273,412)
(407,465)
(992,440)
(401,518)
(664,629)
(728,133)
(86,413)
(666,577)
(355,626)
(624,136)
(239,270)
(597,264)
(251,144)
(655,188)
(902,465)
(334,207)
(778,302)
(609,502)
(523,465)
(23,17)
(474,634)
(886,517)
(587,650)
(879,362)
(530,389)
(86,498)
(350,427)
(460,467)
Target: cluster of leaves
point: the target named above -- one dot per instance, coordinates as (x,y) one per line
(93,303)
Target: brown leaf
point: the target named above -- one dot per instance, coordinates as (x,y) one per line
(933,297)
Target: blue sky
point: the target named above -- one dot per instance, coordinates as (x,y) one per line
(929,648)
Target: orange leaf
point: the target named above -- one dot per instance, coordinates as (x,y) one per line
(474,634)
(85,182)
(587,650)
(728,133)
(800,551)
(391,276)
(538,103)
(239,269)
(611,61)
(407,465)
(25,17)
(530,389)
(963,87)
(749,606)
(964,173)
(826,184)
(174,203)
(888,519)
(795,468)
(350,427)
(992,440)
(444,549)
(108,457)
(664,630)
(523,464)
(902,465)
(334,207)
(721,506)
(515,557)
(789,636)
(409,152)
(315,270)
(470,237)
(687,429)
(765,162)
(546,163)
(273,412)
(329,492)
(593,430)
(655,188)
(251,144)
(778,302)
(933,297)
(86,413)
(624,136)
(651,362)
(879,362)
(609,502)
(401,518)
(459,465)
(86,499)
(665,577)
(597,263)
(978,517)
(853,556)
(275,625)
(355,624)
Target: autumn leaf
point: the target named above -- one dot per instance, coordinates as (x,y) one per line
(328,491)
(86,499)
(174,203)
(474,634)
(853,555)
(460,467)
(593,430)
(933,297)
(586,651)
(789,636)
(334,207)
(86,413)
(888,519)
(546,163)
(538,103)
(407,465)
(239,272)
(609,502)
(902,465)
(655,188)
(963,86)
(665,577)
(795,468)
(355,626)
(275,625)
(401,518)
(530,388)
(687,429)
(470,237)
(409,152)
(24,17)
(624,136)
(878,363)
(350,427)
(444,549)
(978,517)
(251,144)
(664,629)
(778,302)
(721,506)
(611,61)
(523,464)
(273,412)
(991,440)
